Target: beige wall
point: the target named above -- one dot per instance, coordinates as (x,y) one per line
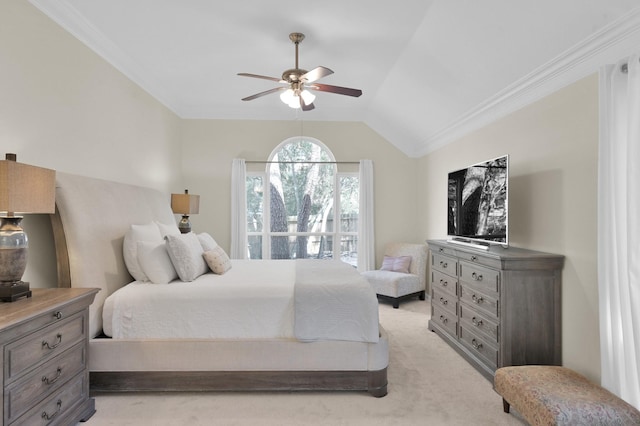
(209,146)
(63,107)
(552,147)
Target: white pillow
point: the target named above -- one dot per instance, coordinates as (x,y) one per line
(170,229)
(136,233)
(217,260)
(207,241)
(155,262)
(185,252)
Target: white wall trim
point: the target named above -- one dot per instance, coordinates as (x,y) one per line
(74,22)
(619,39)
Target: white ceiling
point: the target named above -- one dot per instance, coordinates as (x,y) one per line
(430,70)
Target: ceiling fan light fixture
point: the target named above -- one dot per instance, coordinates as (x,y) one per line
(289,97)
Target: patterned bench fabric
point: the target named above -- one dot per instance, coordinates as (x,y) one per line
(552,395)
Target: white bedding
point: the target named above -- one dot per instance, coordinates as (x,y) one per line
(253,300)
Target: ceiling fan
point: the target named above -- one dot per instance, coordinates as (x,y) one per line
(297,81)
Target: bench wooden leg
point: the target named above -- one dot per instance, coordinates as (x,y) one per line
(505,405)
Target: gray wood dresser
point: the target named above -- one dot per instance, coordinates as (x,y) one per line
(44,338)
(497,307)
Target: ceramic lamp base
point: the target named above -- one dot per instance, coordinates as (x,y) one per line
(12,291)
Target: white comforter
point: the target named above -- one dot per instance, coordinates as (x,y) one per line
(253,300)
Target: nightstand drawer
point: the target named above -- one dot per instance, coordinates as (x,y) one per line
(28,352)
(24,393)
(59,404)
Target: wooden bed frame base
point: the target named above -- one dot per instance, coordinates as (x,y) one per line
(374,382)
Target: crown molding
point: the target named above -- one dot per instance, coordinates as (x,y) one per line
(74,22)
(610,44)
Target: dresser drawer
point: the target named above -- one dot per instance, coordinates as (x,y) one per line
(474,320)
(479,300)
(486,278)
(445,300)
(52,410)
(444,282)
(445,320)
(26,353)
(22,394)
(480,346)
(445,264)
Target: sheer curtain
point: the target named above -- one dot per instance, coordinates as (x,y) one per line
(238,209)
(366,241)
(619,228)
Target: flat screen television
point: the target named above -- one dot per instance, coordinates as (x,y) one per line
(478,203)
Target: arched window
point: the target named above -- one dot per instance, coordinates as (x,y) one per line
(302,206)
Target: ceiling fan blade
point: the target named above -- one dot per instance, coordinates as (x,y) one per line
(316,74)
(264,77)
(335,89)
(304,106)
(266,92)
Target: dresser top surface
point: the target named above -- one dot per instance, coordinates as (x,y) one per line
(41,301)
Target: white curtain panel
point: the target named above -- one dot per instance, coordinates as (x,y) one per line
(238,209)
(619,228)
(366,240)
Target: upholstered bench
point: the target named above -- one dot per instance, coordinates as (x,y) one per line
(552,395)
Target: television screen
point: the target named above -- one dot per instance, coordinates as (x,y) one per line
(477,202)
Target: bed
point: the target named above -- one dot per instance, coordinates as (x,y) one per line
(279,325)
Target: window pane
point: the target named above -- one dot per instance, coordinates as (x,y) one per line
(349,249)
(302,247)
(255,246)
(349,203)
(255,203)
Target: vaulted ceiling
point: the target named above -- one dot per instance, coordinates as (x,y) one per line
(430,70)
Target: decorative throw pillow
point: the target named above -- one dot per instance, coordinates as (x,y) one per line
(396,264)
(185,252)
(136,233)
(170,229)
(155,262)
(217,260)
(207,241)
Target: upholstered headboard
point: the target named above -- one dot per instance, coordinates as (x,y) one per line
(92,216)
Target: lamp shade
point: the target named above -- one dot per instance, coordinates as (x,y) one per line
(185,203)
(25,188)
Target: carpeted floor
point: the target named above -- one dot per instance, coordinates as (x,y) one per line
(429,384)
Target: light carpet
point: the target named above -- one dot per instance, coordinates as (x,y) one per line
(429,384)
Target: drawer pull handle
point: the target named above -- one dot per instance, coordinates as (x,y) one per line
(477,277)
(49,381)
(444,283)
(444,301)
(46,416)
(475,344)
(46,344)
(476,322)
(441,250)
(443,264)
(477,300)
(474,258)
(57,315)
(443,319)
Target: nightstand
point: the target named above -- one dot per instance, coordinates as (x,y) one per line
(44,339)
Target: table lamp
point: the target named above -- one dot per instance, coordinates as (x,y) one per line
(23,189)
(185,204)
